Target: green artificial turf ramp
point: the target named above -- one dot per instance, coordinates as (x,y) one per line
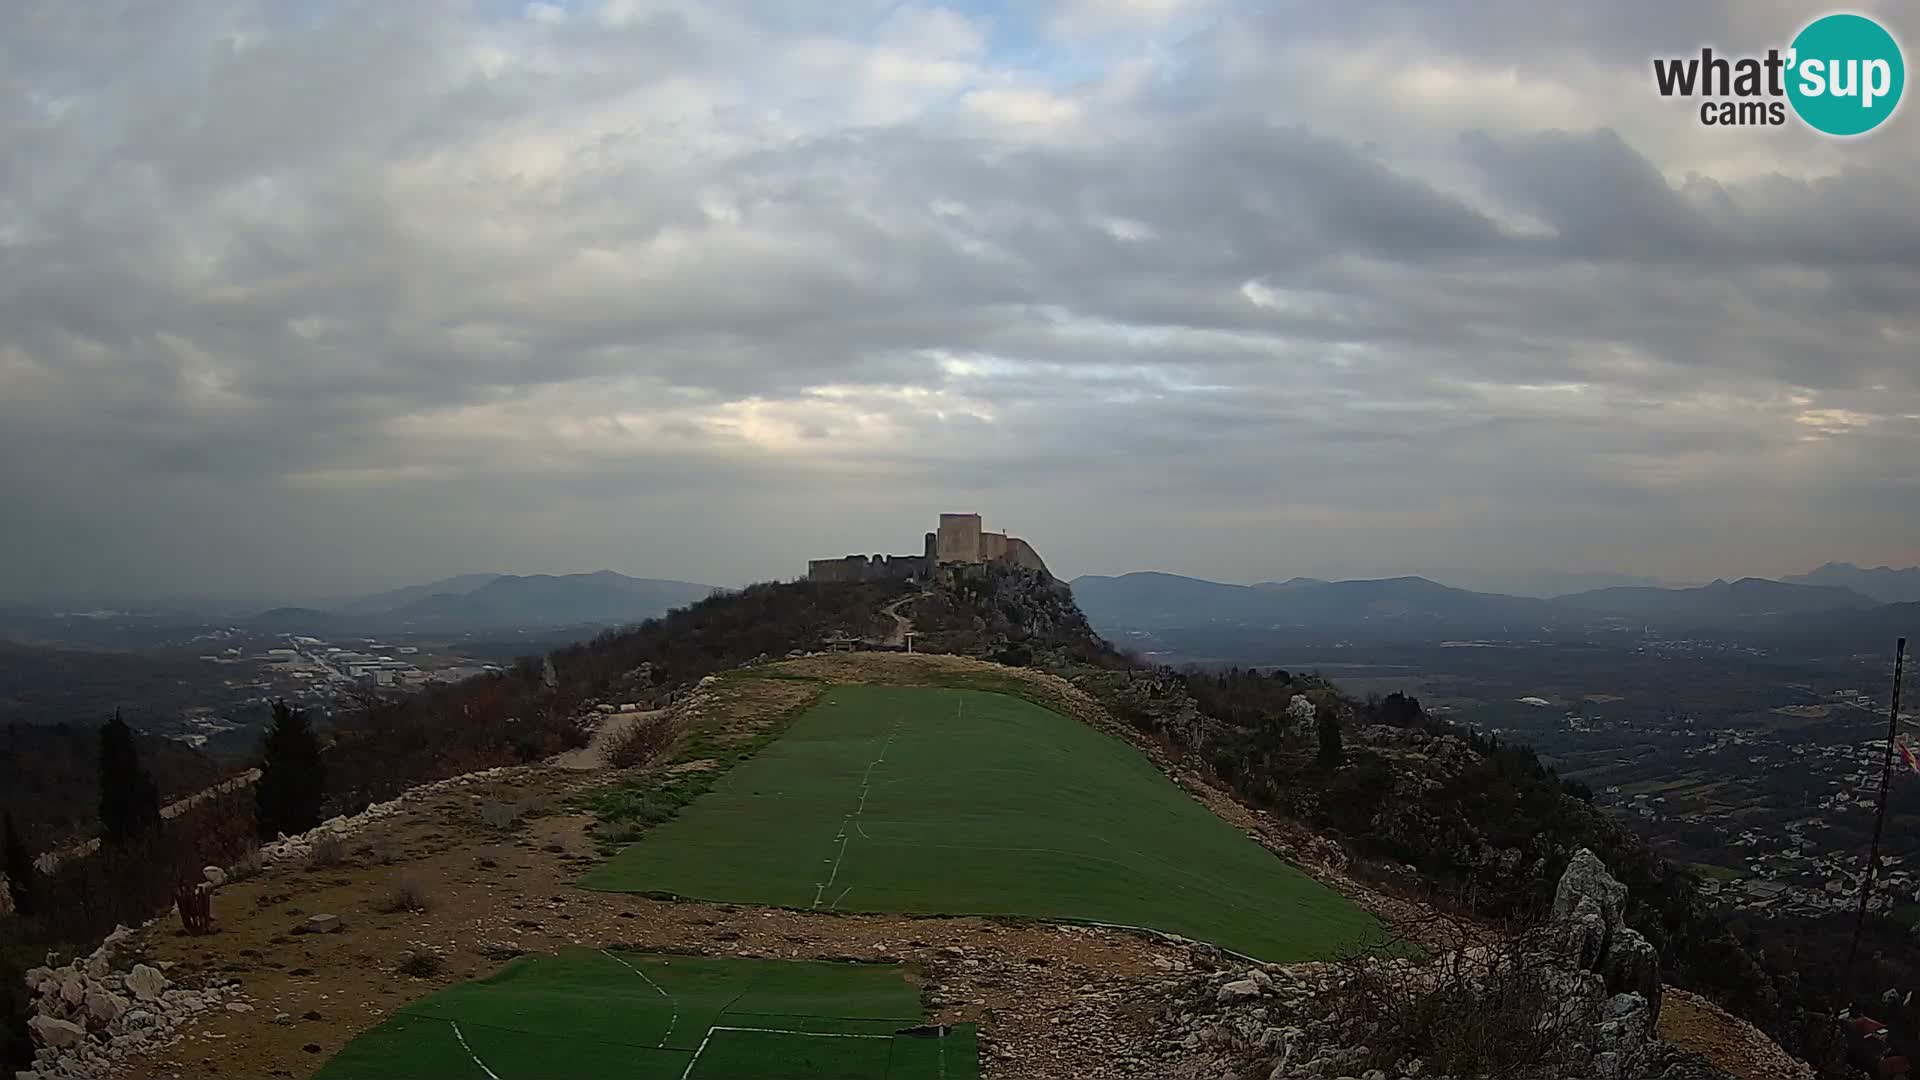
(605,1014)
(960,802)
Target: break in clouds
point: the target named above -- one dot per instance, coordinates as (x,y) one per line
(307,299)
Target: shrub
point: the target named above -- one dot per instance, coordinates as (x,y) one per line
(1488,1010)
(22,877)
(641,743)
(248,865)
(329,850)
(407,895)
(421,963)
(82,898)
(16,1040)
(496,814)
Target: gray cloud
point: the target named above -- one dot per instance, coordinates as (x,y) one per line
(307,304)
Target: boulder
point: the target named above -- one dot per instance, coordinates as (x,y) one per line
(105,1007)
(215,876)
(1237,991)
(73,990)
(1588,909)
(56,1034)
(322,924)
(145,983)
(1632,966)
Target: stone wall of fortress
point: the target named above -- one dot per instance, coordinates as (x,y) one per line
(865,568)
(959,539)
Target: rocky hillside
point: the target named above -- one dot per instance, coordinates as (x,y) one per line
(1424,820)
(1424,808)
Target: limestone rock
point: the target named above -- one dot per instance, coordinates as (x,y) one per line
(56,1033)
(215,876)
(1632,966)
(1237,991)
(105,1006)
(145,983)
(323,924)
(73,990)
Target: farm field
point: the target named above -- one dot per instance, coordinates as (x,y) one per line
(962,802)
(593,1014)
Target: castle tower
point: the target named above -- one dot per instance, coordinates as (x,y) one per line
(958,539)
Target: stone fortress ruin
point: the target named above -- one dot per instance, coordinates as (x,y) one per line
(958,540)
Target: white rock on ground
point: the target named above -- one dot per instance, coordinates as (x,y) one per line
(83,1022)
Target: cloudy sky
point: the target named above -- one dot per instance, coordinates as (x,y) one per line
(301,298)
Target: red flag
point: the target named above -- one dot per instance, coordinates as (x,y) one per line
(1906,754)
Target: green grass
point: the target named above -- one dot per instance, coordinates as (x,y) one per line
(945,801)
(1715,872)
(595,1014)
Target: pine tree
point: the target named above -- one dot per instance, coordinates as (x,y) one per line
(1327,724)
(20,870)
(129,799)
(293,779)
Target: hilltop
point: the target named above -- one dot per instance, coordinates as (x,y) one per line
(1407,819)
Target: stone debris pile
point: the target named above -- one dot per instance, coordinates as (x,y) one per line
(287,847)
(93,1012)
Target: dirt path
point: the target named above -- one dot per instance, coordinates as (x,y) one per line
(902,626)
(612,726)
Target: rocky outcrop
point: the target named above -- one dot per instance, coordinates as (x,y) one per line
(1588,910)
(1590,987)
(92,1012)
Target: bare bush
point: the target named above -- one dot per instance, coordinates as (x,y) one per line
(421,963)
(248,865)
(641,743)
(1489,1009)
(495,814)
(406,896)
(329,850)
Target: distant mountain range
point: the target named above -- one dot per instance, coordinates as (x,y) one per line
(1882,583)
(1160,601)
(478,602)
(1415,608)
(1718,601)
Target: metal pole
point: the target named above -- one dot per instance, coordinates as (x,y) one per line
(1879,818)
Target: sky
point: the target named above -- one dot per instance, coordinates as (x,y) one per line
(310,299)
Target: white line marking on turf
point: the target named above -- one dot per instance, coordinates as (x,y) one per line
(675,1019)
(866,787)
(476,1057)
(808,1034)
(769,1031)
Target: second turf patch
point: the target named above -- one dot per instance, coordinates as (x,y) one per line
(944,801)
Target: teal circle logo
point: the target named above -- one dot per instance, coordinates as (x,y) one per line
(1846,74)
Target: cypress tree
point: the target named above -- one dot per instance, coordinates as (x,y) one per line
(129,799)
(20,871)
(1332,748)
(293,779)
